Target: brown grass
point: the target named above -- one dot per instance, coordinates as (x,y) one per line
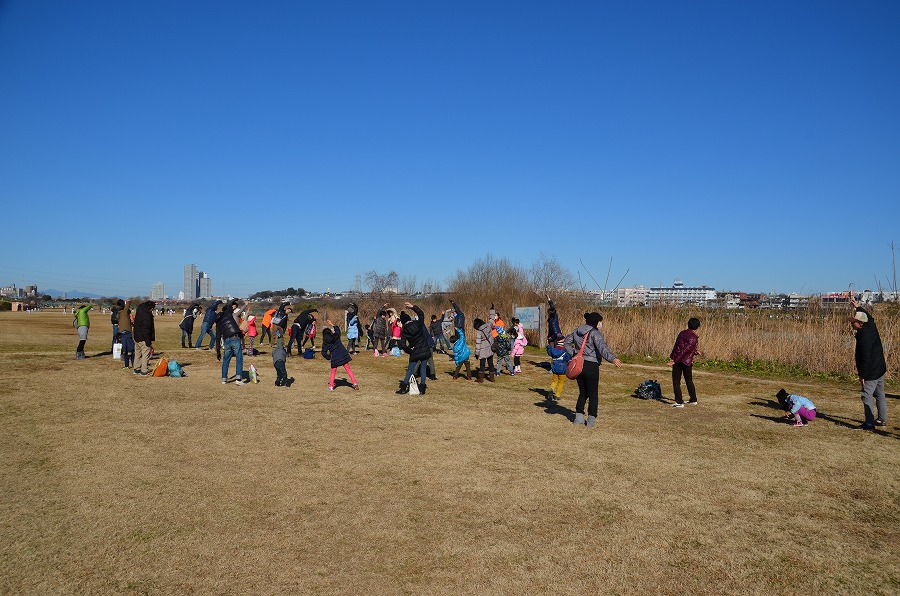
(118,484)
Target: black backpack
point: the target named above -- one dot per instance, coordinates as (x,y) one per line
(649,389)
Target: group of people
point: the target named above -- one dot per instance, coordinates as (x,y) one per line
(230,327)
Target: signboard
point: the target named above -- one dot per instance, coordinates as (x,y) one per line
(529,316)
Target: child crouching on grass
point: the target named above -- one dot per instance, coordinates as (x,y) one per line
(560,359)
(279,355)
(802,410)
(333,349)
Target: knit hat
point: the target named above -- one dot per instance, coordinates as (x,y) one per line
(592,318)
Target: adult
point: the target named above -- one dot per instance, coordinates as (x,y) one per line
(280,318)
(484,343)
(298,329)
(497,322)
(414,342)
(595,349)
(354,327)
(227,328)
(682,362)
(267,326)
(436,328)
(144,336)
(114,319)
(459,318)
(870,366)
(125,334)
(554,332)
(209,320)
(187,324)
(82,323)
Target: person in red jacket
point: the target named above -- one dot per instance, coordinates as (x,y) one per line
(682,362)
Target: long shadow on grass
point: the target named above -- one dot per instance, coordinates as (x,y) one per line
(552,407)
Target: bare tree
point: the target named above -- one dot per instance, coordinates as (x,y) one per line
(408,285)
(549,275)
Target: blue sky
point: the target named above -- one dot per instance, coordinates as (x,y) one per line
(751,145)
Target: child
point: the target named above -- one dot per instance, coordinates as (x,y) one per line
(352,334)
(251,332)
(518,344)
(279,355)
(396,328)
(333,349)
(461,354)
(797,407)
(310,333)
(561,358)
(503,346)
(554,332)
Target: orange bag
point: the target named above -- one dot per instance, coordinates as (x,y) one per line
(162,369)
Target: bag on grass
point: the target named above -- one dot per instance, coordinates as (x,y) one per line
(117,351)
(395,351)
(162,368)
(413,386)
(573,368)
(175,369)
(649,389)
(309,353)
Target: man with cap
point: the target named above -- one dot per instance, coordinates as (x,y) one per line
(870,365)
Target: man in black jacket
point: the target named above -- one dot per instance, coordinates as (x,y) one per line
(227,329)
(870,365)
(144,336)
(299,328)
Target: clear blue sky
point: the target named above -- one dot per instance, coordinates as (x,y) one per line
(742,145)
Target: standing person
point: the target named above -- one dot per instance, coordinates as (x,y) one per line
(497,322)
(437,332)
(461,353)
(558,364)
(459,318)
(871,367)
(228,329)
(379,331)
(187,325)
(682,362)
(144,336)
(503,347)
(333,349)
(447,328)
(594,350)
(395,323)
(484,343)
(209,320)
(267,326)
(298,329)
(279,355)
(82,323)
(125,334)
(413,342)
(352,334)
(251,331)
(554,332)
(114,319)
(518,344)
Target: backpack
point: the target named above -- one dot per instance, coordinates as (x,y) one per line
(162,368)
(649,389)
(175,369)
(309,353)
(114,317)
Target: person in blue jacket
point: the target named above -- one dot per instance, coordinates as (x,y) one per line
(559,360)
(461,353)
(209,320)
(798,408)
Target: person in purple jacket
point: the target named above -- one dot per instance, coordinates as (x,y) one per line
(682,362)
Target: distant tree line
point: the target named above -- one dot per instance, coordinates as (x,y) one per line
(270,294)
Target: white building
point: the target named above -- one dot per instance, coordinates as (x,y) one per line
(158,292)
(678,293)
(632,296)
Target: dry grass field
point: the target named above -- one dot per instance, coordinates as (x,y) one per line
(118,484)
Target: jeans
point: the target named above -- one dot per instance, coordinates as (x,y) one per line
(115,332)
(441,340)
(233,348)
(188,335)
(872,394)
(281,371)
(501,360)
(204,329)
(422,365)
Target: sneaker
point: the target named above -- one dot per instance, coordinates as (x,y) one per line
(591,421)
(137,371)
(880,422)
(376,354)
(240,382)
(224,381)
(579,420)
(692,403)
(677,405)
(331,387)
(278,383)
(356,387)
(799,423)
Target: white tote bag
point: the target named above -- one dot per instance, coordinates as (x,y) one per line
(413,386)
(117,351)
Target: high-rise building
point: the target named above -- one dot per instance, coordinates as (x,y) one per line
(159,291)
(205,285)
(191,282)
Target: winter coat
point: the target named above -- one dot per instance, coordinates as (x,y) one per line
(144,328)
(435,328)
(483,342)
(226,326)
(396,329)
(379,327)
(279,354)
(560,359)
(553,330)
(353,328)
(125,320)
(251,326)
(520,342)
(187,323)
(210,317)
(461,351)
(594,350)
(303,319)
(503,344)
(81,315)
(413,340)
(685,348)
(459,319)
(284,320)
(870,362)
(335,350)
(267,317)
